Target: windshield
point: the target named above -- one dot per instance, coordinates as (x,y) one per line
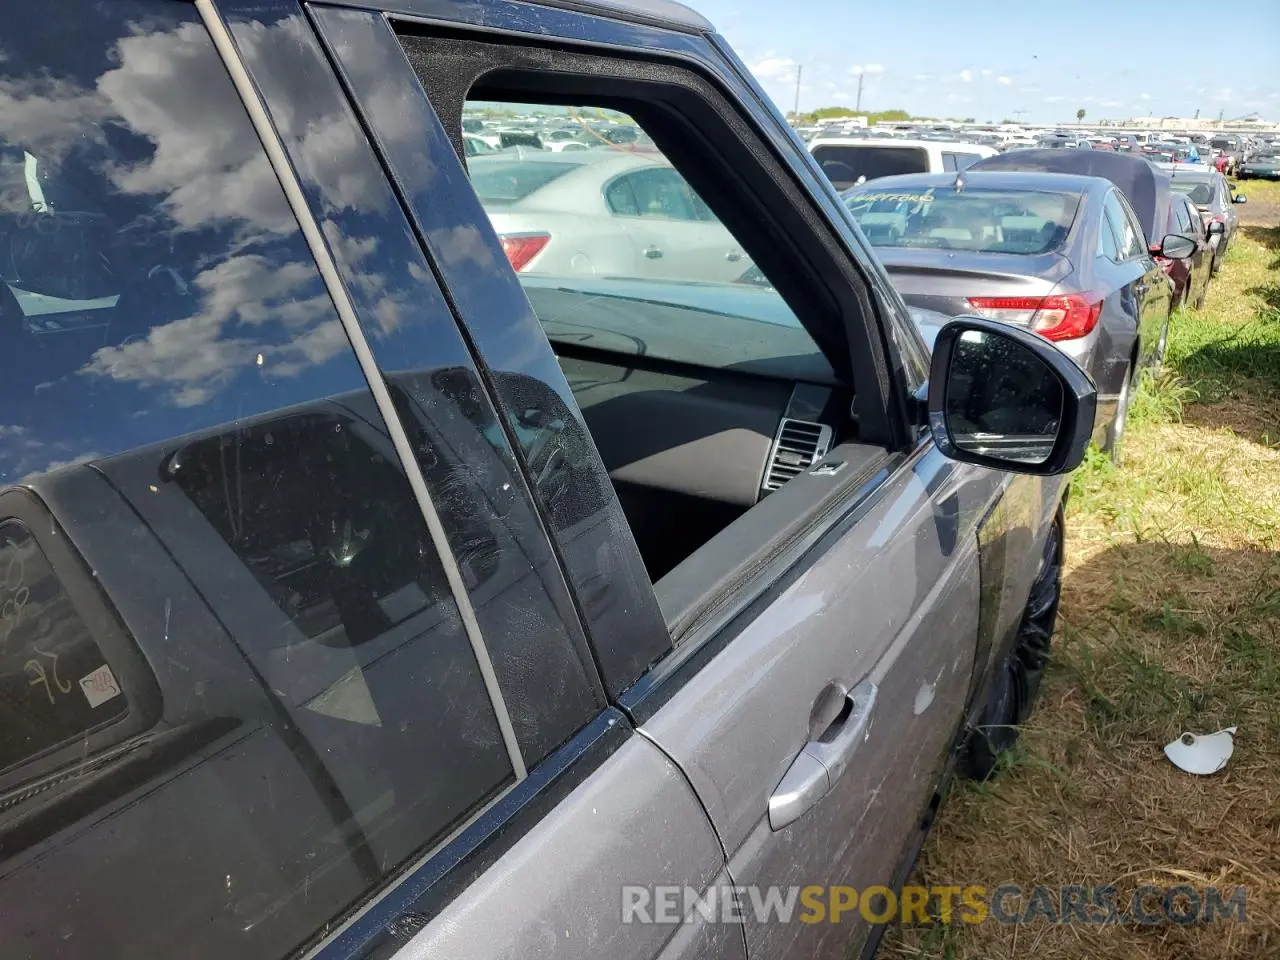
(848,164)
(1197,191)
(500,180)
(989,221)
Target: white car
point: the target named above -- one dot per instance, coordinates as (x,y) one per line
(603,212)
(848,161)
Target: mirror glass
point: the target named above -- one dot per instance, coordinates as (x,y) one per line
(1002,400)
(1240,199)
(1176,247)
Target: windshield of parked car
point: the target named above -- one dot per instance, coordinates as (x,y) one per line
(985,220)
(505,180)
(1198,192)
(849,164)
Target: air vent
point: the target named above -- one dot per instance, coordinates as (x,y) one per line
(798,446)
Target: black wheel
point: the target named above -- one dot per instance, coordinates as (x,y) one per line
(1016,684)
(1115,432)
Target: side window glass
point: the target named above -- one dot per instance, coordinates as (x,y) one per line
(621,197)
(663,193)
(315,718)
(949,162)
(1128,235)
(1108,244)
(1132,236)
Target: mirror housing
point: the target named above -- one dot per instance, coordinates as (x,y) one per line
(1006,398)
(1177,247)
(1216,227)
(1240,198)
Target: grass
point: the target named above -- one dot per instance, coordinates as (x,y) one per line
(1170,622)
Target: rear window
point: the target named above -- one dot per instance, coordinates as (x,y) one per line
(1222,143)
(846,165)
(501,181)
(1197,191)
(1022,222)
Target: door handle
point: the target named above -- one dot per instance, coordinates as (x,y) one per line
(823,760)
(733,256)
(653,253)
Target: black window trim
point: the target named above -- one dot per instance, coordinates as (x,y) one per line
(274,148)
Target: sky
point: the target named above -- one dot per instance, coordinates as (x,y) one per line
(989,59)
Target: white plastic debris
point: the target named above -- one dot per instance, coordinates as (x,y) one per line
(1202,753)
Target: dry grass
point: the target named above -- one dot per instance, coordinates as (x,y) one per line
(1170,622)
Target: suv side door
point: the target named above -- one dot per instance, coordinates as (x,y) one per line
(284,640)
(863,629)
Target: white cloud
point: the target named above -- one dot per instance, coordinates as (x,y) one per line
(965,76)
(869,69)
(1004,81)
(988,72)
(922,77)
(1054,99)
(1145,96)
(1222,96)
(773,68)
(841,96)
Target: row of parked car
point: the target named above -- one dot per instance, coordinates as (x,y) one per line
(1094,251)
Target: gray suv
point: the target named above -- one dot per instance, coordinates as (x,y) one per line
(368,591)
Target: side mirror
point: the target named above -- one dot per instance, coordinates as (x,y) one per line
(1003,397)
(1216,226)
(1176,247)
(1240,198)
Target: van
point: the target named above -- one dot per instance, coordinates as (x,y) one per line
(851,160)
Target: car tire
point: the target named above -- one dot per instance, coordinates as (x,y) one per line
(1017,682)
(1115,432)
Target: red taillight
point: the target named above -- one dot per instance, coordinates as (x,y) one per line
(1062,317)
(521,248)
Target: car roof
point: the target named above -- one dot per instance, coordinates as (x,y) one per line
(663,13)
(845,141)
(991,180)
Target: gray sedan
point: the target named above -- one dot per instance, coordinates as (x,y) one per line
(1061,255)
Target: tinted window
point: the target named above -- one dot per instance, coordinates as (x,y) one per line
(958,161)
(845,164)
(972,218)
(56,684)
(321,719)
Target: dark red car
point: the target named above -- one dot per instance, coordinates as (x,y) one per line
(1190,274)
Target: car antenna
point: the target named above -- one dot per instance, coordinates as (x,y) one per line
(960,183)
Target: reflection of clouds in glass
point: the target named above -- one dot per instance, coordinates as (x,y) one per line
(330,149)
(390,97)
(50,112)
(462,243)
(208,163)
(198,355)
